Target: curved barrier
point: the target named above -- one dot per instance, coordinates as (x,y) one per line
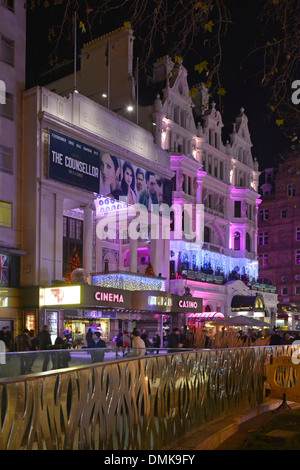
(132,404)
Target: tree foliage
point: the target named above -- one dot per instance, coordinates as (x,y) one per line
(179,27)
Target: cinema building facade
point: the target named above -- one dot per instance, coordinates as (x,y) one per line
(82,161)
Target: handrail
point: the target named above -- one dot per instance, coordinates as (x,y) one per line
(133,403)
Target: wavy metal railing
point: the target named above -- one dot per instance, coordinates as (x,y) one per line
(132,404)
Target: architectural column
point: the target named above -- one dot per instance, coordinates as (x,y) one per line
(58,236)
(200,177)
(87,262)
(133,255)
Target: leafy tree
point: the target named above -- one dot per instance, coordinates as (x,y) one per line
(182,27)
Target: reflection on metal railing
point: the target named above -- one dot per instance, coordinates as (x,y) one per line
(132,404)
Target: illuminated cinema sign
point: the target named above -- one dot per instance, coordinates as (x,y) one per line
(73,162)
(109,297)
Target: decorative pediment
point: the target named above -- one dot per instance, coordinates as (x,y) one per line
(241,127)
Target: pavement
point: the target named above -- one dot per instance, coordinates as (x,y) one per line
(230,432)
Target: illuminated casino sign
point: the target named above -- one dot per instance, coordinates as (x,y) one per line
(188,304)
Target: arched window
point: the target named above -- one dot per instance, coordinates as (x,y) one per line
(248,243)
(207,308)
(237,241)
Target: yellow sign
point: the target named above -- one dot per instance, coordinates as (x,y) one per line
(282,378)
(56,296)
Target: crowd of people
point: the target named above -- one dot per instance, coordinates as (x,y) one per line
(135,343)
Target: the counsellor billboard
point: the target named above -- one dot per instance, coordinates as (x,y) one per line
(73,162)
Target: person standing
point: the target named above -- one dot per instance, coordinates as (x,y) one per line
(89,337)
(98,343)
(22,345)
(8,339)
(44,342)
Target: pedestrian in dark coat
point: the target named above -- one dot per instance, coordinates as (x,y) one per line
(89,337)
(156,342)
(44,342)
(22,345)
(275,339)
(174,341)
(97,344)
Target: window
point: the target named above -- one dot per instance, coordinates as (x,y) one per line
(206,235)
(263,260)
(6,160)
(7,50)
(297,290)
(298,257)
(72,238)
(291,190)
(248,243)
(284,279)
(221,171)
(204,161)
(298,234)
(237,209)
(264,214)
(284,214)
(216,168)
(237,241)
(284,291)
(209,165)
(5,214)
(7,109)
(263,238)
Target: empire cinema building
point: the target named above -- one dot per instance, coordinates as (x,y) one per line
(89,156)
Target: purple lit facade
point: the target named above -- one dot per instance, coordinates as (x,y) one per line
(179,140)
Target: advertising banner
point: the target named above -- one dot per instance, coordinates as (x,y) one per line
(120,179)
(73,162)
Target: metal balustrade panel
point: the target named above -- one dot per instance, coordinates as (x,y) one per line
(133,404)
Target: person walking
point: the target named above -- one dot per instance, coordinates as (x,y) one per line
(174,341)
(119,342)
(138,345)
(22,345)
(44,342)
(156,342)
(126,342)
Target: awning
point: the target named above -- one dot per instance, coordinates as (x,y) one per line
(245,321)
(207,316)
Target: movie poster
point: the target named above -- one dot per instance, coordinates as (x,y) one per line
(119,178)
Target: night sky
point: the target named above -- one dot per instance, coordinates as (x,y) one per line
(240,82)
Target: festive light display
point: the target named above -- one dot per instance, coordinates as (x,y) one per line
(128,282)
(212,262)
